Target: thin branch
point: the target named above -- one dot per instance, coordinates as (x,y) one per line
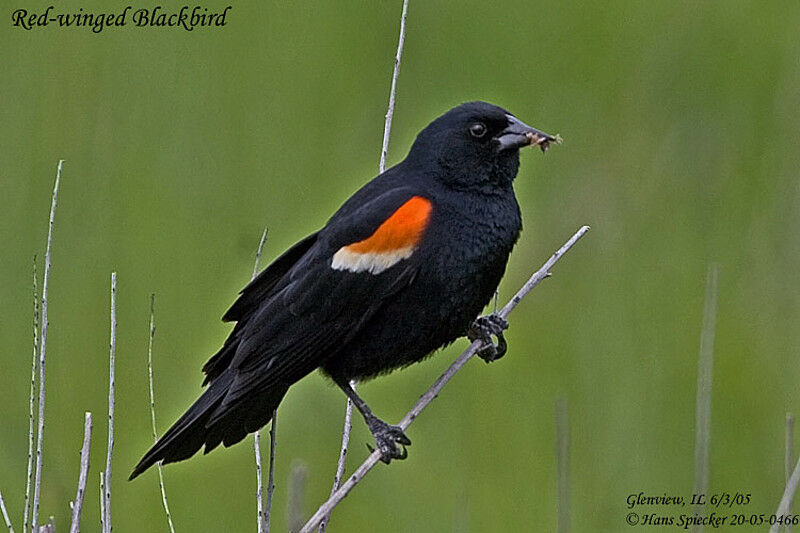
(705,365)
(788,460)
(273,442)
(102,503)
(110,451)
(37,487)
(788,495)
(5,515)
(562,464)
(49,527)
(153,408)
(32,402)
(387,125)
(263,519)
(262,527)
(439,384)
(75,526)
(337,480)
(259,251)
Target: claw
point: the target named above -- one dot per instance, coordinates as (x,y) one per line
(387,438)
(483,328)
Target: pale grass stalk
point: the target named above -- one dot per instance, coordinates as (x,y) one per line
(273,443)
(37,486)
(49,527)
(77,506)
(102,503)
(789,460)
(32,402)
(110,449)
(340,465)
(788,496)
(387,125)
(262,516)
(5,514)
(705,365)
(153,409)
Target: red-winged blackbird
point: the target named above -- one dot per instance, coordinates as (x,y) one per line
(401,269)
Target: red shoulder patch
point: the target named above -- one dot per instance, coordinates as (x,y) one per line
(393,241)
(401,230)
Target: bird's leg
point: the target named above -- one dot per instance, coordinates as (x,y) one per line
(387,437)
(483,328)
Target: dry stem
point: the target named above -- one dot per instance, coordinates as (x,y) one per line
(5,515)
(32,402)
(110,450)
(75,526)
(263,518)
(153,408)
(387,125)
(705,365)
(37,487)
(788,495)
(340,465)
(789,460)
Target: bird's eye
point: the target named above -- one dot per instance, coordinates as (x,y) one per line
(478,129)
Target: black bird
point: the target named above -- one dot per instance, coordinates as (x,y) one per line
(402,268)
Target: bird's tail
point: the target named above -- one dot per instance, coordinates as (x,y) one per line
(199,426)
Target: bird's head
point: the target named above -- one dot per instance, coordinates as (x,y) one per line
(476,144)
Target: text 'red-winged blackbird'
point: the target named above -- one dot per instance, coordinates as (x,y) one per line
(401,269)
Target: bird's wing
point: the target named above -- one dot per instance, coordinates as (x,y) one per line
(259,289)
(250,299)
(356,262)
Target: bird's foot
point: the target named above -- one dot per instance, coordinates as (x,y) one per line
(387,438)
(483,328)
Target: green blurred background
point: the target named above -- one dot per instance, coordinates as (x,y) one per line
(680,120)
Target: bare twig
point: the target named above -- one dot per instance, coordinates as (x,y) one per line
(153,408)
(75,526)
(562,463)
(789,460)
(37,486)
(705,365)
(788,495)
(102,503)
(259,251)
(5,515)
(49,527)
(32,402)
(259,484)
(273,442)
(387,125)
(263,519)
(110,451)
(340,465)
(439,384)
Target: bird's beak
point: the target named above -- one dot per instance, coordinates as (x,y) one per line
(519,134)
